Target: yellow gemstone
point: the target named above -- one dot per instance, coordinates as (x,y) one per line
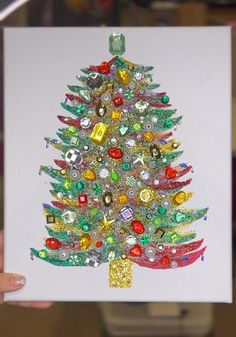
(123,76)
(149,136)
(116,114)
(146,195)
(99,133)
(179,198)
(85,241)
(123,199)
(109,86)
(89,174)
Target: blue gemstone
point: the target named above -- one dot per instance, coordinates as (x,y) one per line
(185,258)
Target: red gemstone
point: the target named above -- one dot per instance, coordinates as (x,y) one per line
(82,199)
(118,101)
(165,260)
(99,244)
(136,251)
(104,68)
(170,172)
(137,226)
(115,153)
(53,243)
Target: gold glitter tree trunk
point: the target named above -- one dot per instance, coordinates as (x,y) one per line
(120,273)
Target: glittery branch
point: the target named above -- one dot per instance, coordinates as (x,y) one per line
(170,262)
(70,121)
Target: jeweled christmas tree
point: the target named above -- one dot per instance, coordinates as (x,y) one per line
(118,194)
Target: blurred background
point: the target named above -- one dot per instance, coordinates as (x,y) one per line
(122,319)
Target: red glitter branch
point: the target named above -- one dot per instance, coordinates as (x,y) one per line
(69,121)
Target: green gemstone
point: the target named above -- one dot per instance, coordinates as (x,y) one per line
(80,185)
(145,240)
(165,99)
(110,239)
(117,44)
(126,166)
(168,123)
(180,217)
(94,212)
(97,188)
(123,130)
(86,227)
(72,129)
(174,238)
(137,127)
(119,63)
(156,221)
(114,176)
(80,108)
(162,210)
(74,141)
(43,253)
(67,184)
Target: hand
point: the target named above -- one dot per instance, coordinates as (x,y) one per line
(13,282)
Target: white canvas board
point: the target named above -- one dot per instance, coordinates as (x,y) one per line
(193,65)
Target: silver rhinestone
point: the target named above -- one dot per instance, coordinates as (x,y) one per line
(63,254)
(174,264)
(160,247)
(132,85)
(85,123)
(113,141)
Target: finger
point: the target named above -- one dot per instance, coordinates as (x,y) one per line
(11,282)
(38,305)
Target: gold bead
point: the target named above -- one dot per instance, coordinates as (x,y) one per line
(123,199)
(89,174)
(179,198)
(149,136)
(85,241)
(116,114)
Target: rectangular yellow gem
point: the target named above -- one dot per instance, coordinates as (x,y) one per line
(110,86)
(149,136)
(120,273)
(99,133)
(116,114)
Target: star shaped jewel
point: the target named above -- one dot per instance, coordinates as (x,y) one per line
(107,225)
(139,159)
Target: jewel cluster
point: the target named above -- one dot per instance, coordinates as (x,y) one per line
(117,193)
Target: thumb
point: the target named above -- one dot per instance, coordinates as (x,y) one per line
(11,282)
